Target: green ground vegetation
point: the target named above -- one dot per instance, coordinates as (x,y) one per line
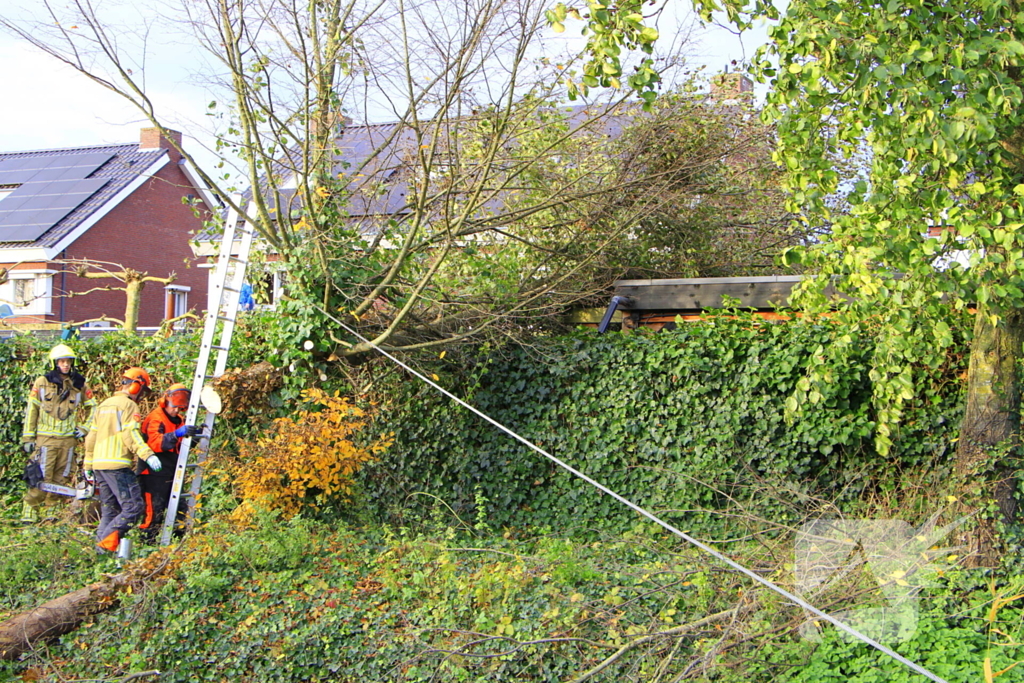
(304,600)
(460,556)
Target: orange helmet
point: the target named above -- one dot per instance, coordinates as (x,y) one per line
(177,395)
(136,382)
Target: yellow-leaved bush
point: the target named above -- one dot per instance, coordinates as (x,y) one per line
(305,460)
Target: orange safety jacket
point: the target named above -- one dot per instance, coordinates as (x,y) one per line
(158,428)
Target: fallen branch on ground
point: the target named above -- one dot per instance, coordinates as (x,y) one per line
(64,614)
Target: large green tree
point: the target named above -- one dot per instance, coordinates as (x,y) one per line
(933,90)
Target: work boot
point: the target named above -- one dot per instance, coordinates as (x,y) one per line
(29,514)
(110,543)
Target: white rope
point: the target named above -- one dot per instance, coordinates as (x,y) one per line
(633,506)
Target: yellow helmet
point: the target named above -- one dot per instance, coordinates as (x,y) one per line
(62,351)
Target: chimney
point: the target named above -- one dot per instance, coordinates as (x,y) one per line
(730,86)
(151,138)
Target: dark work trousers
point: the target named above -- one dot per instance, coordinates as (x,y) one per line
(156,492)
(120,501)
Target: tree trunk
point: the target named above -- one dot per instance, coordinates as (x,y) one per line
(133,295)
(991,428)
(61,615)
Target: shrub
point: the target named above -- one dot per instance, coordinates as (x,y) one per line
(307,459)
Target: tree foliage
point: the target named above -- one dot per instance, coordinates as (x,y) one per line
(483,206)
(304,461)
(933,90)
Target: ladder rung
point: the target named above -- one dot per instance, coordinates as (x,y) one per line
(238,259)
(219,348)
(225,317)
(231,289)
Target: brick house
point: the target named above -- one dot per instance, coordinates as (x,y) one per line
(126,205)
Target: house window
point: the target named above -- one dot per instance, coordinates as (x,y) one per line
(176,302)
(180,303)
(24,292)
(28,292)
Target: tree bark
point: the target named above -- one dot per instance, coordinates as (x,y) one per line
(133,295)
(20,633)
(990,432)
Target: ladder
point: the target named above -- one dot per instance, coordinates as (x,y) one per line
(226,284)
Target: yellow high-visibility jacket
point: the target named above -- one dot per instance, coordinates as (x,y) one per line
(114,442)
(53,408)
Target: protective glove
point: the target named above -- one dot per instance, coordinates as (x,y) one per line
(89,477)
(81,432)
(187,431)
(29,446)
(154,463)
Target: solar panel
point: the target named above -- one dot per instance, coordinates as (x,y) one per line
(45,166)
(81,165)
(16,162)
(35,207)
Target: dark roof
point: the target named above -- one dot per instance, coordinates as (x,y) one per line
(367,155)
(59,189)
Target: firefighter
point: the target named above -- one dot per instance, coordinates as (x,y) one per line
(52,429)
(112,449)
(164,428)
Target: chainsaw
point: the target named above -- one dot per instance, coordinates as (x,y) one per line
(78,493)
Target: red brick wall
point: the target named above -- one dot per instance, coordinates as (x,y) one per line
(149,231)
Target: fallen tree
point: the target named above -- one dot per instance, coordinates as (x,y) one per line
(22,632)
(58,616)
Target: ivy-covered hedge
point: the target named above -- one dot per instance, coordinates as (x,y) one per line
(14,382)
(683,422)
(101,359)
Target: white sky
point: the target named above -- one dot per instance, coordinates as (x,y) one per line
(49,105)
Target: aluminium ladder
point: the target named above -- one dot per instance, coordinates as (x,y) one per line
(226,285)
